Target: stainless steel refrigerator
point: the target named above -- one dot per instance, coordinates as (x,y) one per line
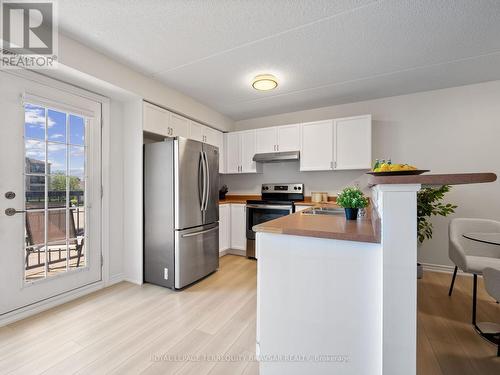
(181,212)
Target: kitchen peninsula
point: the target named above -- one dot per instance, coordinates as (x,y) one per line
(340,297)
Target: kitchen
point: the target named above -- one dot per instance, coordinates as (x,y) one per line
(179,210)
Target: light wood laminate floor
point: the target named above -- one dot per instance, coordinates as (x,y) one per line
(128,329)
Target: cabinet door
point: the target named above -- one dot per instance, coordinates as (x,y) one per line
(353,142)
(179,125)
(247,145)
(301,208)
(232,152)
(316,152)
(289,137)
(196,131)
(216,138)
(211,136)
(238,227)
(224,227)
(155,119)
(266,140)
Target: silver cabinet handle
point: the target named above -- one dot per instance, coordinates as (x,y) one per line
(13,211)
(200,232)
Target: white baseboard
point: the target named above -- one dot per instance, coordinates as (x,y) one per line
(115,279)
(49,303)
(442,268)
(241,253)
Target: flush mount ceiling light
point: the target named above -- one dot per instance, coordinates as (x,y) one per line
(264,82)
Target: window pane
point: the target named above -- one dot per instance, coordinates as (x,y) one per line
(77,253)
(77,223)
(56,126)
(77,193)
(34,122)
(56,258)
(35,192)
(76,130)
(56,158)
(35,156)
(34,263)
(35,228)
(56,227)
(77,161)
(57,191)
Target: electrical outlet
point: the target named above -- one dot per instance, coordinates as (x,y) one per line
(165,273)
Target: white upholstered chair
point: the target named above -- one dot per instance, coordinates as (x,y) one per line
(492,285)
(472,256)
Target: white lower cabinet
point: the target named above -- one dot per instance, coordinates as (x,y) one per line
(301,208)
(238,227)
(224,227)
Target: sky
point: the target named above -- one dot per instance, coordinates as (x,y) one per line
(59,140)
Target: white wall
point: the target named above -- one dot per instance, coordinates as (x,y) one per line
(132,191)
(447,131)
(116,190)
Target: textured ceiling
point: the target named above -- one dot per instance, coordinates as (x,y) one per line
(324,52)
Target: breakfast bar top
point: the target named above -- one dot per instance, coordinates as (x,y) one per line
(364,229)
(434,179)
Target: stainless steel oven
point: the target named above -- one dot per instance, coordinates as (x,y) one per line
(277,201)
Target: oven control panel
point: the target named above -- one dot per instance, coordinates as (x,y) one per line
(283,188)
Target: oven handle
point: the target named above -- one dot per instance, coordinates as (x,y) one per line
(270,207)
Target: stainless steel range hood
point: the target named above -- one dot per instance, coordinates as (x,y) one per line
(272,157)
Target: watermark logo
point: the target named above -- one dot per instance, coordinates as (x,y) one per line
(29,34)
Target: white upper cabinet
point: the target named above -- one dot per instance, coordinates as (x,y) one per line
(196,131)
(155,119)
(240,149)
(232,150)
(353,142)
(288,138)
(211,136)
(179,126)
(316,146)
(248,145)
(278,138)
(216,138)
(266,140)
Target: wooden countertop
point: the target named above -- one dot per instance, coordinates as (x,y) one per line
(434,179)
(242,199)
(365,229)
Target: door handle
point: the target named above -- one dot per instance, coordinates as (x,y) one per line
(13,211)
(200,232)
(207,196)
(204,177)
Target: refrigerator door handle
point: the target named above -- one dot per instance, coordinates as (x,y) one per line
(200,232)
(207,169)
(204,170)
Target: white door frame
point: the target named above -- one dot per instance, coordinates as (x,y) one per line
(105,206)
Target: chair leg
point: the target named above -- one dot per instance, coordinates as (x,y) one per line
(453,280)
(474,301)
(79,256)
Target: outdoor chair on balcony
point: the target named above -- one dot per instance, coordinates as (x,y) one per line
(56,234)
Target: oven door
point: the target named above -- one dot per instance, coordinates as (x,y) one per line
(260,213)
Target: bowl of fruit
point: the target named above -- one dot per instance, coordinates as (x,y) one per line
(387,168)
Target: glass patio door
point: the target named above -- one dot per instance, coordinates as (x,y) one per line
(50,196)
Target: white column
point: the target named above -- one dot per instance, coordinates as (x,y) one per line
(397,207)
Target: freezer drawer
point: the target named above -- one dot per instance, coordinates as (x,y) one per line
(196,253)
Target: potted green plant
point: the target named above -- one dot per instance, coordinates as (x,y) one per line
(429,204)
(352,199)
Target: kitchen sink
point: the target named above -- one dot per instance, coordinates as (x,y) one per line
(323,211)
